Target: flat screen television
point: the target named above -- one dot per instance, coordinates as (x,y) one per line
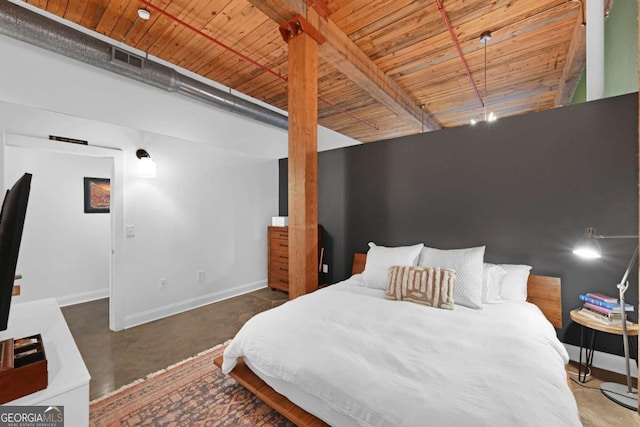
(14,209)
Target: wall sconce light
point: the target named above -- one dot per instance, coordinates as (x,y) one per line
(146,166)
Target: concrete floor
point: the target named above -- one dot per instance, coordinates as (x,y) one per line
(596,410)
(115,359)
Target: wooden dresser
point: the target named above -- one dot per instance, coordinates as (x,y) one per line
(278,276)
(278,241)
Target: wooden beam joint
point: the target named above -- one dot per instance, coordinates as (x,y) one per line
(321,7)
(298,25)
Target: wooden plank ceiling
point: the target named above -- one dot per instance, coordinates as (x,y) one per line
(532,61)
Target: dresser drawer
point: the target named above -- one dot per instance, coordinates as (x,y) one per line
(279,233)
(279,280)
(279,276)
(279,256)
(279,265)
(280,246)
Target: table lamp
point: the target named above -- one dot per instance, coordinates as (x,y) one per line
(588,247)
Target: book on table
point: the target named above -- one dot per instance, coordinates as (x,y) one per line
(602,297)
(613,306)
(599,316)
(603,311)
(584,311)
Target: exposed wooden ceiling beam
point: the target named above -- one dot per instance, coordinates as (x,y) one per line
(281,11)
(343,54)
(576,57)
(573,66)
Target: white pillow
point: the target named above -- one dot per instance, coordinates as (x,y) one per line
(514,283)
(381,258)
(492,276)
(468,266)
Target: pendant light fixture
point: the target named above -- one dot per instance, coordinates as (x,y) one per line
(485,37)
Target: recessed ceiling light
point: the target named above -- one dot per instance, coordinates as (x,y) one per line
(144,14)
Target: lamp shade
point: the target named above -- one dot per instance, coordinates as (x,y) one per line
(588,246)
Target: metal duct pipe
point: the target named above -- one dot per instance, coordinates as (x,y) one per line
(30,27)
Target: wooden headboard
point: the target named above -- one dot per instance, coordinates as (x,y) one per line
(543,291)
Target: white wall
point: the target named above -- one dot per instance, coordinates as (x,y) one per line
(64,252)
(216,189)
(207,209)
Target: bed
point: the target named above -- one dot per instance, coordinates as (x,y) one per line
(346,356)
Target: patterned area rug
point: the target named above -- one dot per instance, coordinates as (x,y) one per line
(193,392)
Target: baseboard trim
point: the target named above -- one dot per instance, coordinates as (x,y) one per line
(82,297)
(186,305)
(607,361)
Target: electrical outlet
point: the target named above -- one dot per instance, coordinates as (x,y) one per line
(163,283)
(200,276)
(325,268)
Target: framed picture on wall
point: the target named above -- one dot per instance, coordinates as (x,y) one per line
(97,195)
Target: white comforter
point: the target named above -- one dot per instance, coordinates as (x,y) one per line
(390,363)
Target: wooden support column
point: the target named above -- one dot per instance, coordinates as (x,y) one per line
(303,157)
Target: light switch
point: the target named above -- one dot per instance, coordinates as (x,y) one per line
(131,230)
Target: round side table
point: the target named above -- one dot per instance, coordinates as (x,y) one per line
(588,330)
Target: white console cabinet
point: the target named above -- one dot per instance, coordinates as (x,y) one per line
(68,375)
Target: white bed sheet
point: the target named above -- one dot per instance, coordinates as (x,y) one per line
(351,357)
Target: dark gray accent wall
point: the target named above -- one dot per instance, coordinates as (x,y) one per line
(525,186)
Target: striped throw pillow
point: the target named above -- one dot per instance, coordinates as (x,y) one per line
(432,286)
